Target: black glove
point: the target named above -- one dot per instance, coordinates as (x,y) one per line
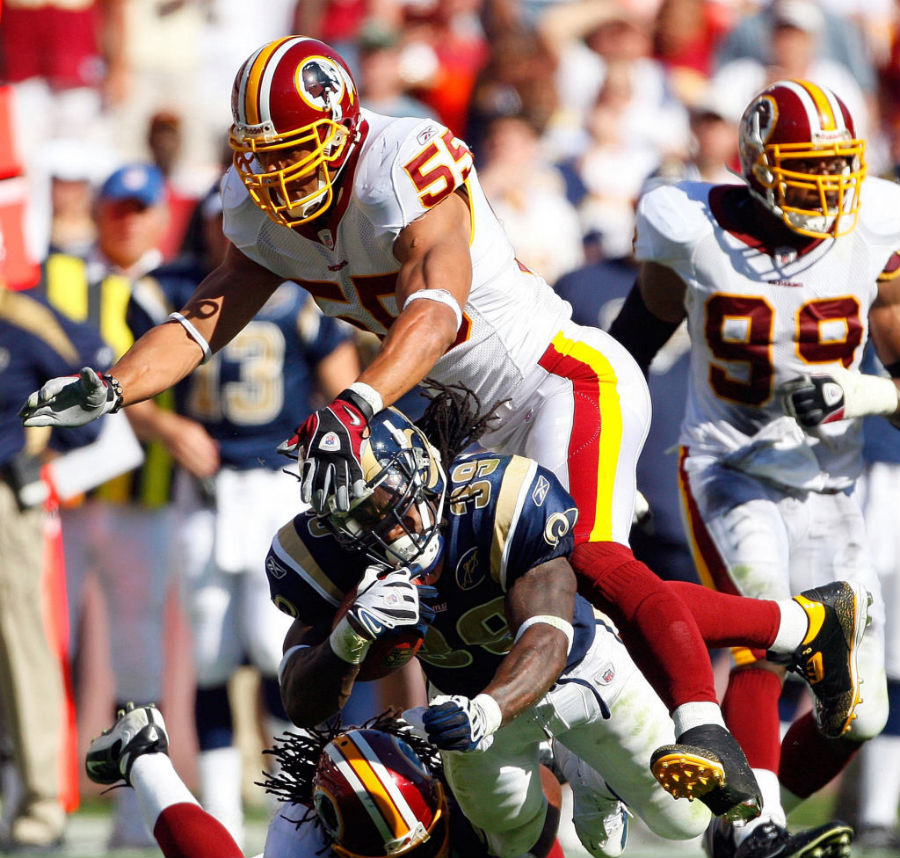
(814,400)
(328,445)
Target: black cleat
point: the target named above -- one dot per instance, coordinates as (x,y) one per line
(138,730)
(827,658)
(707,763)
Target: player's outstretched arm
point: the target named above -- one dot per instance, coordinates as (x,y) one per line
(539,606)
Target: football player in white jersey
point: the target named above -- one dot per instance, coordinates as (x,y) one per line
(782,280)
(383,221)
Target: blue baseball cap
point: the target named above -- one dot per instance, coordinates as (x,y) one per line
(142,182)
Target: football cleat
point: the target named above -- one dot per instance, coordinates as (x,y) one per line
(600,818)
(827,658)
(138,730)
(769,840)
(707,763)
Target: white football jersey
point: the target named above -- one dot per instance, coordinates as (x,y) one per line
(405,167)
(757,321)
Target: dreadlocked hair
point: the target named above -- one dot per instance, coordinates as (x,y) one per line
(453,419)
(297,756)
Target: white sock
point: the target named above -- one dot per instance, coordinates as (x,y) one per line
(793,627)
(220,788)
(879,781)
(157,786)
(772,811)
(696,713)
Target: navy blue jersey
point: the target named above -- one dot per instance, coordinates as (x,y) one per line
(504,515)
(38,343)
(258,388)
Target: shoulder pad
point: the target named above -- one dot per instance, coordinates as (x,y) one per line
(670,220)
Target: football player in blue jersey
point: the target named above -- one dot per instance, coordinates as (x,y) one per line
(476,555)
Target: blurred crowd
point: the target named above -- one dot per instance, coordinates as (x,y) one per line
(569,105)
(572,108)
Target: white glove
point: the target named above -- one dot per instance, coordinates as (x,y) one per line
(839,395)
(72,400)
(382,604)
(458,723)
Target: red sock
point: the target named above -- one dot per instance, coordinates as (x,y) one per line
(186,830)
(556,851)
(657,627)
(726,620)
(808,760)
(750,709)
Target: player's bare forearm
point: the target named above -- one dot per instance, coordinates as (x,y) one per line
(314,667)
(538,658)
(416,341)
(224,302)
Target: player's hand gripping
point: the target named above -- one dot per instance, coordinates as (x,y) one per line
(385,600)
(72,400)
(327,444)
(840,395)
(458,723)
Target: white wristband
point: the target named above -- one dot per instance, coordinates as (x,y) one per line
(442,296)
(493,717)
(866,394)
(550,620)
(288,655)
(194,334)
(367,392)
(346,644)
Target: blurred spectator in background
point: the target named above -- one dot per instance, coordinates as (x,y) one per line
(712,154)
(36,344)
(613,166)
(249,397)
(518,80)
(685,34)
(840,39)
(383,73)
(165,143)
(528,195)
(792,41)
(446,41)
(74,176)
(66,63)
(590,42)
(122,531)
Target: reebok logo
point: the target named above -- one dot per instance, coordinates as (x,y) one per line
(832,393)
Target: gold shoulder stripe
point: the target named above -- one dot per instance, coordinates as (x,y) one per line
(32,316)
(295,551)
(518,472)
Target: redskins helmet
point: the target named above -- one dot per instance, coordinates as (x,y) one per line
(295,108)
(783,130)
(402,471)
(375,798)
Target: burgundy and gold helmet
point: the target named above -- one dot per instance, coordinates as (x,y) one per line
(787,132)
(294,103)
(377,800)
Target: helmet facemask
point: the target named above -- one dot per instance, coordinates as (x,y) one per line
(835,209)
(398,519)
(284,193)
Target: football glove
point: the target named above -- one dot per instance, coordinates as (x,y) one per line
(385,600)
(457,723)
(840,395)
(72,400)
(328,445)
